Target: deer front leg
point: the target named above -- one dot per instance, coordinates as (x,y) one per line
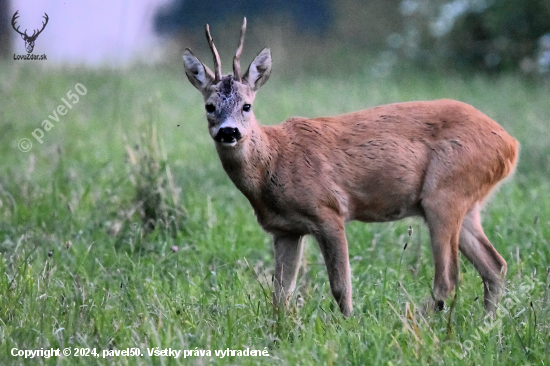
(288,252)
(334,246)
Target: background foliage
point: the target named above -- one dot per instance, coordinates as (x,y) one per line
(486,35)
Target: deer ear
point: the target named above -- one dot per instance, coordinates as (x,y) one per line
(198,74)
(259,70)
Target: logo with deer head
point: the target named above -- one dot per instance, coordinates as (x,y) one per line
(29,40)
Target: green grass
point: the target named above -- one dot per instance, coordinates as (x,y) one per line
(82,266)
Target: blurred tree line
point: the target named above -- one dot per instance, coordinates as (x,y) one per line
(303,15)
(482,34)
(5,26)
(487,34)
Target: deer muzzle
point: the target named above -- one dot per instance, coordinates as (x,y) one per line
(228,135)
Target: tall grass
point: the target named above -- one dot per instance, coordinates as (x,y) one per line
(83,264)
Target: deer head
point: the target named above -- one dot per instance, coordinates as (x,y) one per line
(29,40)
(228,100)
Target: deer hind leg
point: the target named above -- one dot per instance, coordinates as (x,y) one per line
(444,221)
(477,248)
(288,252)
(332,241)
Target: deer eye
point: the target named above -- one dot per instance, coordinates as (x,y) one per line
(246,107)
(210,108)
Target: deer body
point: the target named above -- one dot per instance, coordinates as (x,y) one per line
(369,166)
(438,160)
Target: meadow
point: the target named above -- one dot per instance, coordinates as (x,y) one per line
(120,231)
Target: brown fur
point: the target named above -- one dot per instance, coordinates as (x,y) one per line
(437,159)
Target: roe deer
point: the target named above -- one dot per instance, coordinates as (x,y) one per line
(437,159)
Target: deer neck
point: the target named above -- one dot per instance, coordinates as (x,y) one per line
(248,163)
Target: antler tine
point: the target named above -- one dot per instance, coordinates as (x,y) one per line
(236,59)
(43,24)
(15,16)
(217,64)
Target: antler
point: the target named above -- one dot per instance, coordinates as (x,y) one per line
(35,34)
(43,26)
(15,16)
(217,64)
(236,59)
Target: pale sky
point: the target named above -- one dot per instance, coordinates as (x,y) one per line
(90,32)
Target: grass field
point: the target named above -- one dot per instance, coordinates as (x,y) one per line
(121,230)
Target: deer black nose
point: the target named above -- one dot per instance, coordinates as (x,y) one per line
(228,135)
